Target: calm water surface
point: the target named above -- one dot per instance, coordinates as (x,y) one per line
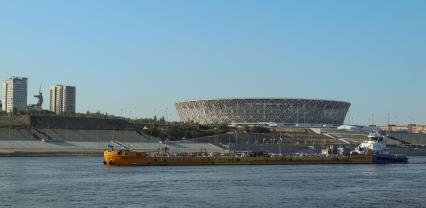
(85,182)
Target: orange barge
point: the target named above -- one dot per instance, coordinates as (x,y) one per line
(126,157)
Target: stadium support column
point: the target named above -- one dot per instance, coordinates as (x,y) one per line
(281,141)
(297,115)
(217,136)
(304,114)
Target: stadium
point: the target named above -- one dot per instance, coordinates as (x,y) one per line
(251,111)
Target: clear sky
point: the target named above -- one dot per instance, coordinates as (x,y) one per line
(136,58)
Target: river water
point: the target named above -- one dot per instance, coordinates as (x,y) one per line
(85,182)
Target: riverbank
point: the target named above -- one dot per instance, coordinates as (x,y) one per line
(73,148)
(48,153)
(95,147)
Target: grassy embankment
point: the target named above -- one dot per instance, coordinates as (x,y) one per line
(14,122)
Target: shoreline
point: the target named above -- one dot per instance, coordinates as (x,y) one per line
(49,153)
(99,153)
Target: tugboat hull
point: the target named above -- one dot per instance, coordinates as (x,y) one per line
(389,158)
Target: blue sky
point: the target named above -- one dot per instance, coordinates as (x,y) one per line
(136,58)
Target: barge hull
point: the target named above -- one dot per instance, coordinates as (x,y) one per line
(131,159)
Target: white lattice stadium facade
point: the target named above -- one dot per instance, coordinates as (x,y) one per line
(283,111)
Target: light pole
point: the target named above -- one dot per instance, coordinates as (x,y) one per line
(144,129)
(167,114)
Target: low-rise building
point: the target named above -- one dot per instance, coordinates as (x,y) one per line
(410,128)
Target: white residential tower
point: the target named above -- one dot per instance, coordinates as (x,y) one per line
(62,99)
(14,94)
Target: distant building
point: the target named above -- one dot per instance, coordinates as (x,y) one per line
(14,94)
(62,99)
(409,128)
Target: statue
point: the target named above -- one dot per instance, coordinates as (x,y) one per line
(39,105)
(39,98)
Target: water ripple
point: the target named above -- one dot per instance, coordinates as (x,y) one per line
(85,182)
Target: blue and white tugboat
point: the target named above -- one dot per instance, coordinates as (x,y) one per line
(376,144)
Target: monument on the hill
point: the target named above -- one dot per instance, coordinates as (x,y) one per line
(39,104)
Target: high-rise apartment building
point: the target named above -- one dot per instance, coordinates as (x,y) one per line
(14,94)
(62,99)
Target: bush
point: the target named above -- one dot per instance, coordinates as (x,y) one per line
(256,129)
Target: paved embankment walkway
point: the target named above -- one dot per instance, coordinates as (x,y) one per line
(33,148)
